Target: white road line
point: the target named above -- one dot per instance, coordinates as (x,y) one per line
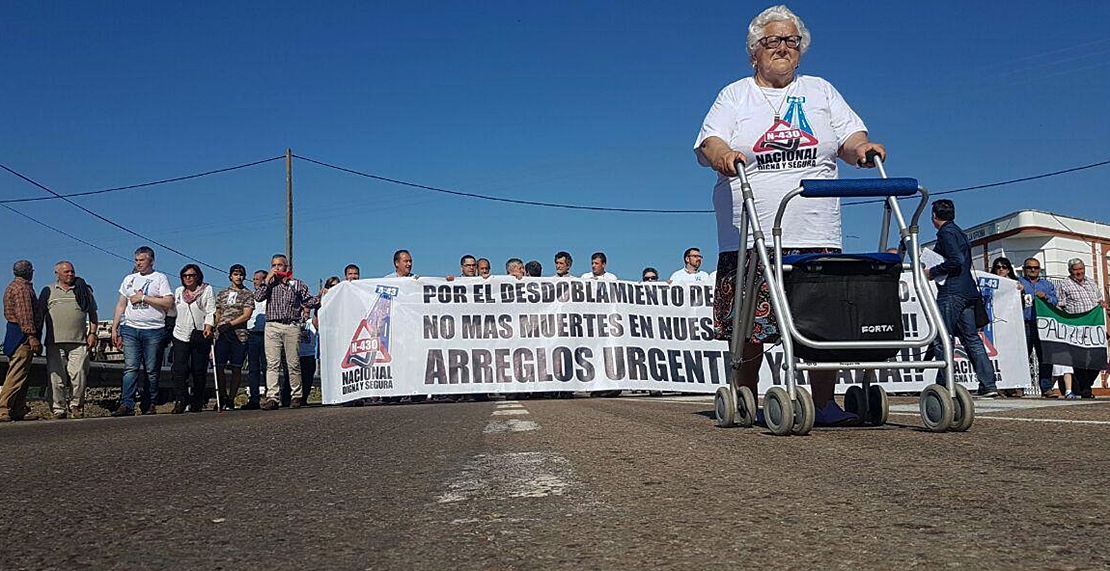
(513,475)
(698,399)
(510,411)
(1018,419)
(509,405)
(1005,405)
(511,425)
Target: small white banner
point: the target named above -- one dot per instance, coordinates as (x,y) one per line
(399,336)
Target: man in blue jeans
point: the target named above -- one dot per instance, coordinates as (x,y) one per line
(138,327)
(957,293)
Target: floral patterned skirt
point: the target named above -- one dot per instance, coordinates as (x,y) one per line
(766,328)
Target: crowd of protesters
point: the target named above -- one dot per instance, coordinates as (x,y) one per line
(1075,294)
(271,329)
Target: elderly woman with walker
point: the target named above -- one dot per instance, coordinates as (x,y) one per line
(779,134)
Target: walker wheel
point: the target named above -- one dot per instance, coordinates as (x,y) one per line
(724,405)
(778,411)
(746,409)
(853,400)
(963,411)
(804,413)
(936,408)
(878,407)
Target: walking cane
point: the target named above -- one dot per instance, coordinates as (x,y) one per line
(216,376)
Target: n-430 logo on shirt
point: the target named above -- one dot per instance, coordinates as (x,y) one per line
(789,133)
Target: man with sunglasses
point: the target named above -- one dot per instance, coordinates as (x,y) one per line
(1032,286)
(650,275)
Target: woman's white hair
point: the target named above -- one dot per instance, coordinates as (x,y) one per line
(778,13)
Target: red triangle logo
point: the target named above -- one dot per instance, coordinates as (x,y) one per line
(365,349)
(783,137)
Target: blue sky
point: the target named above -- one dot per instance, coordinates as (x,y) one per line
(574,102)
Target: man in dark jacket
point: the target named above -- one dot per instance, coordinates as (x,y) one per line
(957,294)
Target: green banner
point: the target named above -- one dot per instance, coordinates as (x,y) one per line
(1078,340)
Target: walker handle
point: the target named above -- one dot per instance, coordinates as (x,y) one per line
(740,172)
(869,159)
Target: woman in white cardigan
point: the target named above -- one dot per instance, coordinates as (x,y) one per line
(192,338)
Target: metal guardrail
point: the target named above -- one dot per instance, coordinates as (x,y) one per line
(102,374)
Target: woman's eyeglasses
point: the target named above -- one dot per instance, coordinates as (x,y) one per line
(772,42)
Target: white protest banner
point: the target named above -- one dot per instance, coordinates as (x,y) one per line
(503,335)
(399,336)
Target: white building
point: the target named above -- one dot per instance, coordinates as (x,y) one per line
(1051,238)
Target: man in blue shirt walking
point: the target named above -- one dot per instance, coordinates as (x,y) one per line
(1032,286)
(957,293)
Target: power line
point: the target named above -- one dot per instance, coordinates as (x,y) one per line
(64,233)
(662,211)
(113,223)
(994,184)
(145,184)
(501,199)
(55,196)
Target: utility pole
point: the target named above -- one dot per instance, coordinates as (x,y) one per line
(289,204)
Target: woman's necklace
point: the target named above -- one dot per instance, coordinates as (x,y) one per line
(785,95)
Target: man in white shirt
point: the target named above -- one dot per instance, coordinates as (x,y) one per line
(691,272)
(468,268)
(402,265)
(256,347)
(563,263)
(138,327)
(515,267)
(597,268)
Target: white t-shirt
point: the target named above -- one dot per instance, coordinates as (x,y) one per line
(306,346)
(684,277)
(803,144)
(193,316)
(606,276)
(144,315)
(257,320)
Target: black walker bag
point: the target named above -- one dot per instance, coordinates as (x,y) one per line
(845,297)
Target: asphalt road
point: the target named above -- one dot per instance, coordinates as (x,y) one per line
(630,483)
